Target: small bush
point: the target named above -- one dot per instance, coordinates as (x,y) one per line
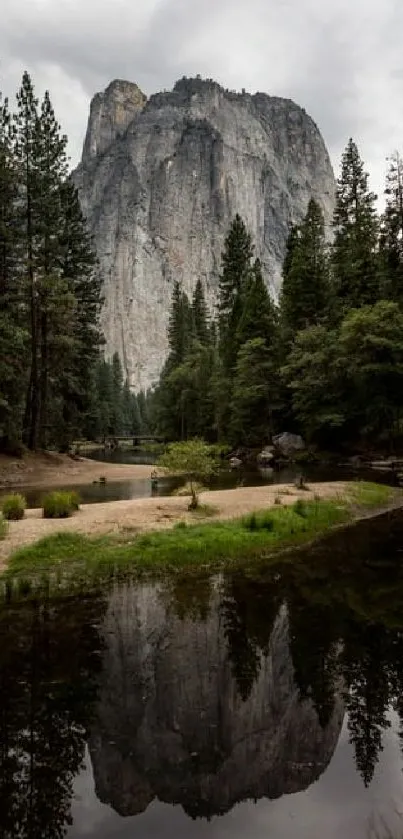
(75,500)
(13,507)
(3,527)
(58,505)
(259,522)
(300,508)
(277,500)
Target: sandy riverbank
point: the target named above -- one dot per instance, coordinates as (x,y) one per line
(49,469)
(142,514)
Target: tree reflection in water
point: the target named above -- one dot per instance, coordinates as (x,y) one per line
(345,605)
(344,601)
(49,658)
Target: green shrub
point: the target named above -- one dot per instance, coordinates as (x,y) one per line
(75,500)
(3,527)
(59,505)
(262,521)
(13,507)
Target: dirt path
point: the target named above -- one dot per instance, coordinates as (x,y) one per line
(143,514)
(48,469)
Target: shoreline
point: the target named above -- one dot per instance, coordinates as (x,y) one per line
(143,515)
(124,530)
(48,469)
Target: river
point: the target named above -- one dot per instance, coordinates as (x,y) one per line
(226,478)
(266,704)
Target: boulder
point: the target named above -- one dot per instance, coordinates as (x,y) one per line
(288,444)
(266,456)
(235,463)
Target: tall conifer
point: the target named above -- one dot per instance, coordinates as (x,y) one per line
(200,315)
(304,298)
(354,252)
(391,239)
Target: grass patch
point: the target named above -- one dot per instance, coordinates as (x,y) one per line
(211,545)
(60,505)
(13,507)
(369,495)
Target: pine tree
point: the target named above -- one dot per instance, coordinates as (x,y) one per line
(235,274)
(131,420)
(8,198)
(116,420)
(291,244)
(56,266)
(104,395)
(27,225)
(171,395)
(391,239)
(200,315)
(259,316)
(180,325)
(354,253)
(314,379)
(12,332)
(305,292)
(251,413)
(51,161)
(143,406)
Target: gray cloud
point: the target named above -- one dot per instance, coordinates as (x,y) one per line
(341,60)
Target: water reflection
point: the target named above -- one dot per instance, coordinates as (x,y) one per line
(49,660)
(204,693)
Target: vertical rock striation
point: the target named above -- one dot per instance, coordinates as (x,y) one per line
(160,182)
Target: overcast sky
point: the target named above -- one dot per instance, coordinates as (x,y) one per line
(340,59)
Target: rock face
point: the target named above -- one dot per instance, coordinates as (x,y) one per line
(111,113)
(160,182)
(171,722)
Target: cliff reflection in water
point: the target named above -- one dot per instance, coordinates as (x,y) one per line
(202,692)
(197,713)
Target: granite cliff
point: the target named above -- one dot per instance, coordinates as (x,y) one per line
(172,722)
(160,182)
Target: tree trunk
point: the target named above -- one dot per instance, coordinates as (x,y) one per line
(43,381)
(32,406)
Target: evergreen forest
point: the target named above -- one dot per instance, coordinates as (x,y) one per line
(55,384)
(324,360)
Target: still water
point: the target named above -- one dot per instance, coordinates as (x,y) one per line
(252,704)
(226,478)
